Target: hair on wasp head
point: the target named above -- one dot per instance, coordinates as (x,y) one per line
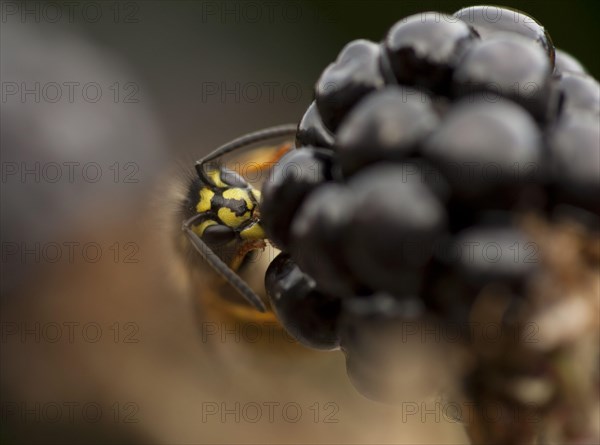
(223,211)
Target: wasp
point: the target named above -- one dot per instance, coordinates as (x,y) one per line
(222,211)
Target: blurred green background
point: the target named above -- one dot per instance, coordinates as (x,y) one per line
(179,45)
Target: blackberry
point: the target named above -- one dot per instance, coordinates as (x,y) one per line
(495,254)
(387,125)
(492,250)
(295,175)
(486,149)
(431,177)
(353,75)
(575,156)
(489,21)
(579,93)
(388,201)
(312,131)
(376,351)
(308,315)
(426,173)
(565,62)
(424,48)
(525,79)
(318,235)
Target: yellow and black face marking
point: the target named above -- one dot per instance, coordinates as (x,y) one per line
(225,204)
(222,211)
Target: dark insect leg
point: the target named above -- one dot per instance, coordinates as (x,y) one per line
(218,265)
(241,142)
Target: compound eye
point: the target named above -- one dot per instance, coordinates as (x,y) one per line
(218,235)
(233,179)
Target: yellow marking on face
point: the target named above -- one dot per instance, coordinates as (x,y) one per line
(230,219)
(200,228)
(239,194)
(256,194)
(215,176)
(205,197)
(254,232)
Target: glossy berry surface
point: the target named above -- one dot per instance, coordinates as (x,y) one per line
(312,131)
(575,156)
(489,21)
(292,178)
(319,232)
(429,167)
(388,125)
(424,48)
(525,79)
(579,92)
(353,75)
(565,62)
(484,148)
(389,201)
(308,315)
